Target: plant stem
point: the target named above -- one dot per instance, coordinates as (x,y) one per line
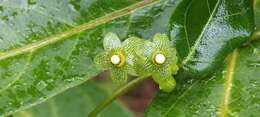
(119,92)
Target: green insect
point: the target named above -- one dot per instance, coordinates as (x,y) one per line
(139,57)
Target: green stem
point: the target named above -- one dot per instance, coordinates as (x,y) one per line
(116,94)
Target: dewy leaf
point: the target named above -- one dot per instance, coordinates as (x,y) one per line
(76,102)
(205,32)
(232,92)
(47,46)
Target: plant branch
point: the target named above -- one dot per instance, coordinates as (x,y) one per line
(119,92)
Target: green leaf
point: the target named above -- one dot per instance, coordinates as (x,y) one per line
(257,13)
(48,46)
(76,102)
(205,32)
(232,91)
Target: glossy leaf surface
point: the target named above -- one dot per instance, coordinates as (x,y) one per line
(76,102)
(48,46)
(205,32)
(231,92)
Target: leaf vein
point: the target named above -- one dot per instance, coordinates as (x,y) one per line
(185,25)
(193,49)
(77,29)
(228,83)
(19,75)
(208,6)
(234,14)
(69,55)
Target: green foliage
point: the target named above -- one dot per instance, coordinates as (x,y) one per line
(48,46)
(76,102)
(206,32)
(232,91)
(257,14)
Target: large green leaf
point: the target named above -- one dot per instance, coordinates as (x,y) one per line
(47,46)
(76,102)
(205,32)
(234,91)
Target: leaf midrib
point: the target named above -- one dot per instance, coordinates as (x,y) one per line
(224,106)
(228,83)
(77,29)
(192,52)
(64,35)
(185,25)
(197,42)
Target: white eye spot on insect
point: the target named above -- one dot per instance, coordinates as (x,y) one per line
(115,59)
(159,58)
